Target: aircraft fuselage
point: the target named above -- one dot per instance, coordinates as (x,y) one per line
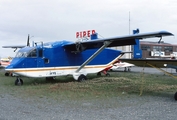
(52,59)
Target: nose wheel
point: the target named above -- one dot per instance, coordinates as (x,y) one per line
(18,81)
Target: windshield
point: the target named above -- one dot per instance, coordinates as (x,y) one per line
(21,54)
(31,53)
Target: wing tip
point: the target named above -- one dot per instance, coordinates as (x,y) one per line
(166,33)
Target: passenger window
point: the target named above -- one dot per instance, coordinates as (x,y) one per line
(33,53)
(46,60)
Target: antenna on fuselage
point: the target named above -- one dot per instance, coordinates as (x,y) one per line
(36,43)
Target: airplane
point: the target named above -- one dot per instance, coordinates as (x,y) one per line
(78,59)
(4,62)
(121,65)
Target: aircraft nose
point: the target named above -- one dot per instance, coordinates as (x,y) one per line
(9,67)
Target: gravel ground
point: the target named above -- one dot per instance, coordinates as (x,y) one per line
(128,107)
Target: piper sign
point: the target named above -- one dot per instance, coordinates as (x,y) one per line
(84,33)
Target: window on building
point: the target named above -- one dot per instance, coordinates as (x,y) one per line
(145,47)
(168,48)
(157,48)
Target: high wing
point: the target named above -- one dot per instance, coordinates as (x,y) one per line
(160,63)
(115,41)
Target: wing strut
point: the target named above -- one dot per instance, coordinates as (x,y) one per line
(160,40)
(162,70)
(106,43)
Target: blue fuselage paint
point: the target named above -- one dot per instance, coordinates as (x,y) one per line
(54,55)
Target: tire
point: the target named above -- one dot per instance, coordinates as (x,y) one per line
(175,96)
(50,78)
(99,74)
(6,74)
(18,82)
(107,74)
(82,78)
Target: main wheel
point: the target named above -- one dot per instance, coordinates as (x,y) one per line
(18,82)
(99,74)
(107,74)
(50,78)
(82,78)
(175,96)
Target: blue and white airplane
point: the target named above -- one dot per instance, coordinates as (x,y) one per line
(71,58)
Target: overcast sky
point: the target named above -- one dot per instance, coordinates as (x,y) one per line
(52,20)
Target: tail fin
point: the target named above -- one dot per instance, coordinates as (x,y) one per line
(137,52)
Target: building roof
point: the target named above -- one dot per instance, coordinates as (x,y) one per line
(156,43)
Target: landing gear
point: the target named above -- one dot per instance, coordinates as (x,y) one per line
(6,74)
(50,78)
(175,96)
(82,78)
(107,74)
(18,81)
(127,69)
(9,74)
(104,72)
(99,74)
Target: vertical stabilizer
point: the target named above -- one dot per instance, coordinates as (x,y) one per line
(137,52)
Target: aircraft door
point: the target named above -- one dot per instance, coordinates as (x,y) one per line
(40,61)
(29,59)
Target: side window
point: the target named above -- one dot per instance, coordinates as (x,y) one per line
(46,60)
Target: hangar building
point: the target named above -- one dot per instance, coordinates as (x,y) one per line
(158,50)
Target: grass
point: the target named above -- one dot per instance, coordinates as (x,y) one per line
(119,84)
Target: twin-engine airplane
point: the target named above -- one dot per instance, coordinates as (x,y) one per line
(71,58)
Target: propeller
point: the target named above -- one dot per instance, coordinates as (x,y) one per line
(28,43)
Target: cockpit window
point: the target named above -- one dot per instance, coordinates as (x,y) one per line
(21,54)
(31,53)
